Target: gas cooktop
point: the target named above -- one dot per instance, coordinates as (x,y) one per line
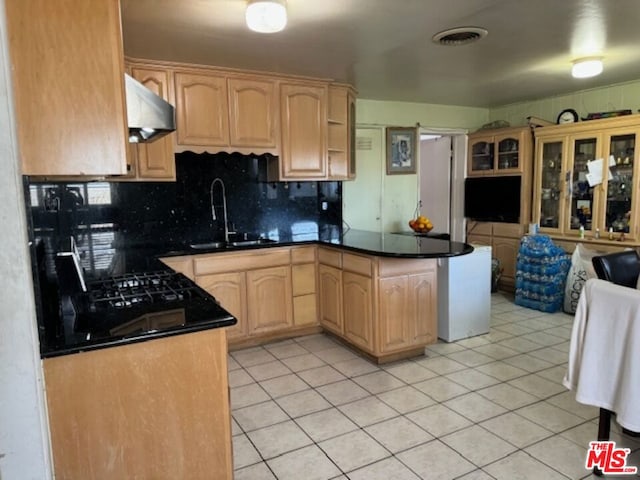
(139,289)
(135,307)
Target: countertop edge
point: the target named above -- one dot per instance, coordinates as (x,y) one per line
(143,337)
(181,253)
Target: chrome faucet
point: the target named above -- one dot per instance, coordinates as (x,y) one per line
(224,207)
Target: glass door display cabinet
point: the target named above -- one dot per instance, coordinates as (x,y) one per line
(621,184)
(498,152)
(586,176)
(549,184)
(581,194)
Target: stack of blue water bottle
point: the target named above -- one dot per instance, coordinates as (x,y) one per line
(541,273)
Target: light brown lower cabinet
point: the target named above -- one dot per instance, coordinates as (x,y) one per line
(330,291)
(357,310)
(504,240)
(408,310)
(386,307)
(152,410)
(230,289)
(269,299)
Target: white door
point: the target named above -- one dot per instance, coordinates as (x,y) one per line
(435,182)
(362,197)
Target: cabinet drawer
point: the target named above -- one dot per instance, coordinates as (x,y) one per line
(330,257)
(235,262)
(479,228)
(182,265)
(304,279)
(303,255)
(357,264)
(305,310)
(510,230)
(391,267)
(479,239)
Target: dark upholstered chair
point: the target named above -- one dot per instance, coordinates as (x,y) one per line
(621,268)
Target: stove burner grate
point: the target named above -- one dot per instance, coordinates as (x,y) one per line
(140,288)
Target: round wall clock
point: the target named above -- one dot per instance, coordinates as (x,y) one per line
(568,115)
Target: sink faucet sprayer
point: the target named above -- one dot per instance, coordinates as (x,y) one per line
(224,207)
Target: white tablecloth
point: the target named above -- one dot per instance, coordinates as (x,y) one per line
(604,358)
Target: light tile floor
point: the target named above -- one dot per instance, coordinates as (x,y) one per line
(487,407)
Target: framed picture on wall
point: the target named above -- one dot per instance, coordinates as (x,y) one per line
(401,150)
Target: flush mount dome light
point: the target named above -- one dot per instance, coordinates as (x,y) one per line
(266,16)
(459,36)
(586,67)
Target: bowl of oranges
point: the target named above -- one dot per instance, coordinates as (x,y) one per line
(421,224)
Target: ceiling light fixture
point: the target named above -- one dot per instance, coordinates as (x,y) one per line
(266,16)
(586,67)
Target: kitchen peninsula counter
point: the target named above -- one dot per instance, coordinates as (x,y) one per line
(375,291)
(397,245)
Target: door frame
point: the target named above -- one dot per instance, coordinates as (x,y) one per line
(459,138)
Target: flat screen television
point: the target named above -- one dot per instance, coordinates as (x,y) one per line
(492,199)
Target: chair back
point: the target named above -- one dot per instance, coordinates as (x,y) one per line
(621,268)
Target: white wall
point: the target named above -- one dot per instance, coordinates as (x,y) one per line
(24,440)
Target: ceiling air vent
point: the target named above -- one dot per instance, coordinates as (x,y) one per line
(459,36)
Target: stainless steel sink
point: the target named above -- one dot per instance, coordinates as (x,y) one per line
(247,243)
(207,245)
(236,243)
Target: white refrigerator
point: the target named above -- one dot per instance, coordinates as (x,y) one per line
(464,294)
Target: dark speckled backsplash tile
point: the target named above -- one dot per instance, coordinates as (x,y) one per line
(100,214)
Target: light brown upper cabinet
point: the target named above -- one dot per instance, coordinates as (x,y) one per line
(253,112)
(303,108)
(341,132)
(155,160)
(68,85)
(503,151)
(218,111)
(202,110)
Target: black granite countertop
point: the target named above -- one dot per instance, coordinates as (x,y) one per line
(400,245)
(125,257)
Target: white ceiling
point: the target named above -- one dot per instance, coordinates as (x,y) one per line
(384,47)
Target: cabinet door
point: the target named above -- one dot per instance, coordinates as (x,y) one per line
(67,66)
(171,395)
(155,160)
(583,202)
(395,314)
(230,290)
(304,131)
(202,110)
(481,153)
(423,301)
(506,251)
(550,184)
(620,187)
(330,290)
(269,299)
(252,112)
(508,154)
(357,309)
